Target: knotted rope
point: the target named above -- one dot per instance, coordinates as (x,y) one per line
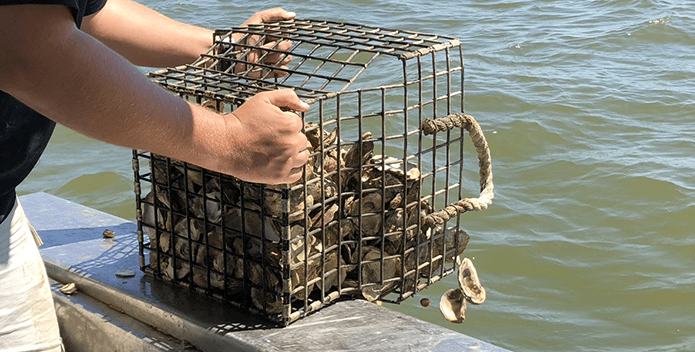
(468,123)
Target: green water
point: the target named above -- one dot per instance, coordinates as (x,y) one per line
(588,110)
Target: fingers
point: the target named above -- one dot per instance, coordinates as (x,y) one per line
(268,57)
(286,98)
(299,161)
(276,14)
(293,169)
(271,57)
(271,15)
(300,158)
(277,58)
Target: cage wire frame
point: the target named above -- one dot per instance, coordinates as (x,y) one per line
(327,60)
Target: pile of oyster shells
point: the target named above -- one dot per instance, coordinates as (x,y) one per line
(353,223)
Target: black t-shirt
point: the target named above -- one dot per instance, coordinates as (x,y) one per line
(24,133)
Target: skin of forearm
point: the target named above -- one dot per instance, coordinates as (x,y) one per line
(76,81)
(146,37)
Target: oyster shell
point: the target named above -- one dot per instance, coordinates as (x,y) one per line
(305,265)
(267,278)
(335,231)
(385,174)
(301,275)
(453,305)
(162,218)
(68,289)
(318,137)
(215,258)
(163,175)
(200,278)
(298,203)
(373,293)
(213,105)
(212,187)
(235,267)
(266,301)
(371,272)
(450,250)
(167,268)
(373,178)
(230,191)
(393,224)
(164,242)
(314,134)
(469,282)
(297,245)
(181,173)
(331,160)
(176,200)
(360,152)
(181,247)
(331,271)
(252,220)
(325,153)
(255,249)
(395,176)
(194,178)
(251,192)
(327,213)
(236,246)
(214,236)
(369,208)
(211,210)
(193,228)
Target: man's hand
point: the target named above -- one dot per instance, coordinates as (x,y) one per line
(265,57)
(268,145)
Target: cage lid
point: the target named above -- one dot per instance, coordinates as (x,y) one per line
(327,58)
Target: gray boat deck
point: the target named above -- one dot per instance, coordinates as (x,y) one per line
(109,313)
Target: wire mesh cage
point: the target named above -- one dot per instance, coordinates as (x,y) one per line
(385,128)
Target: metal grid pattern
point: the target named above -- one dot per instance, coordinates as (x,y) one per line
(354,225)
(328,58)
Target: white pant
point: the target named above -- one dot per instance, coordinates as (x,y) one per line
(27,316)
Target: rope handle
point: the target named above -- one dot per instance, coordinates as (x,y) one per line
(468,123)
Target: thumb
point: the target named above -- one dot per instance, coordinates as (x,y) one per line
(286,98)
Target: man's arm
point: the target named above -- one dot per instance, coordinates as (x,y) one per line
(148,38)
(68,76)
